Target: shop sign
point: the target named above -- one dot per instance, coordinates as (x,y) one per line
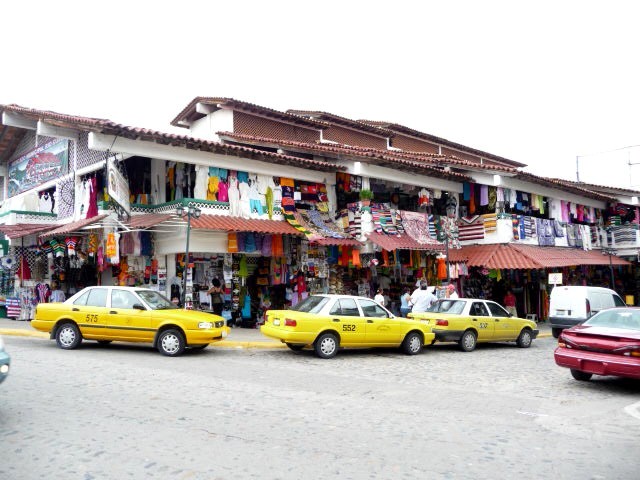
(555,279)
(44,163)
(117,186)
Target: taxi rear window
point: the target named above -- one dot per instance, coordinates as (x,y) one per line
(312,304)
(448,306)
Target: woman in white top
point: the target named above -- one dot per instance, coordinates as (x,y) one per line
(379,298)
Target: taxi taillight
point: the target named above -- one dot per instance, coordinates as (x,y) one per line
(288,322)
(442,323)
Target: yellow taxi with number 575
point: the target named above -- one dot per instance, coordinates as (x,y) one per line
(328,322)
(128,314)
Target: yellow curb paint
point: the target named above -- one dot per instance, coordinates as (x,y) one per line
(22,333)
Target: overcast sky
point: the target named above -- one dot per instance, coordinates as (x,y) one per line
(538,82)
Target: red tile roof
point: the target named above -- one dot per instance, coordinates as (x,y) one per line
(147,220)
(237,224)
(402,242)
(442,141)
(429,164)
(73,226)
(342,121)
(189,112)
(515,256)
(563,185)
(24,229)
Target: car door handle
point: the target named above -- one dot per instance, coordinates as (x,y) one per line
(369,321)
(474,319)
(336,319)
(74,309)
(113,311)
(497,319)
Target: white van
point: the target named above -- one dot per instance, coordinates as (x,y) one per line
(572,305)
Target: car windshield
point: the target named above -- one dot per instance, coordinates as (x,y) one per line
(447,306)
(616,319)
(312,304)
(156,300)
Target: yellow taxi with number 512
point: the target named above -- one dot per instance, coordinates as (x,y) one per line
(328,322)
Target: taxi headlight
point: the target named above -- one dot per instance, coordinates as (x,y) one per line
(4,368)
(205,325)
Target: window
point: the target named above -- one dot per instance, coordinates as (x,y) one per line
(123,299)
(454,307)
(156,300)
(617,301)
(372,309)
(82,299)
(496,310)
(479,309)
(97,297)
(345,307)
(312,304)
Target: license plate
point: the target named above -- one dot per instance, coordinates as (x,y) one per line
(593,367)
(560,312)
(276,322)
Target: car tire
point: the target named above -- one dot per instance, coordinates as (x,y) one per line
(199,347)
(68,336)
(295,347)
(326,345)
(412,343)
(171,343)
(556,332)
(525,338)
(581,376)
(468,341)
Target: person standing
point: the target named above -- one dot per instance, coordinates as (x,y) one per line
(422,298)
(379,297)
(216,296)
(405,302)
(510,303)
(451,291)
(57,295)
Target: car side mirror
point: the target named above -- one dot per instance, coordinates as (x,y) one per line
(138,306)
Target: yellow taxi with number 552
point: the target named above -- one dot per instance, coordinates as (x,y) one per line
(128,314)
(328,322)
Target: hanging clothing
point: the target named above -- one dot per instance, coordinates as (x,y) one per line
(234,197)
(200,187)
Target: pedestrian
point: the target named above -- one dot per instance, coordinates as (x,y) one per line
(57,295)
(421,298)
(405,302)
(510,303)
(216,296)
(379,298)
(451,291)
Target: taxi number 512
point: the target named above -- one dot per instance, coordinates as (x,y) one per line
(92,318)
(348,328)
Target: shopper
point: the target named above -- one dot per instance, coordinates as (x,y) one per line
(510,303)
(379,298)
(216,296)
(422,298)
(451,291)
(405,302)
(57,295)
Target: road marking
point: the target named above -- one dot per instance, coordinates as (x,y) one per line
(633,410)
(532,414)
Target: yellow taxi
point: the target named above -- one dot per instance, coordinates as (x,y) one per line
(471,320)
(128,314)
(328,322)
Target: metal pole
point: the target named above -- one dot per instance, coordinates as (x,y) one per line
(186,262)
(613,284)
(447,253)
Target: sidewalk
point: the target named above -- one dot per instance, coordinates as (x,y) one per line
(238,337)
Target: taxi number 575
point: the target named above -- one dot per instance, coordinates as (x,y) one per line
(92,318)
(348,328)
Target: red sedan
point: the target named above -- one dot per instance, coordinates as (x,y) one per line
(606,344)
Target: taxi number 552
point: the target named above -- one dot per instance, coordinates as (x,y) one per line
(348,328)
(92,318)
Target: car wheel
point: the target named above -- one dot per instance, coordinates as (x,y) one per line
(104,342)
(199,347)
(326,345)
(582,376)
(468,341)
(556,332)
(295,347)
(412,344)
(68,336)
(524,339)
(171,343)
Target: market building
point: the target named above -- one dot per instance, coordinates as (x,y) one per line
(277,205)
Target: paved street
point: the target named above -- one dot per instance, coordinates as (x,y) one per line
(124,411)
